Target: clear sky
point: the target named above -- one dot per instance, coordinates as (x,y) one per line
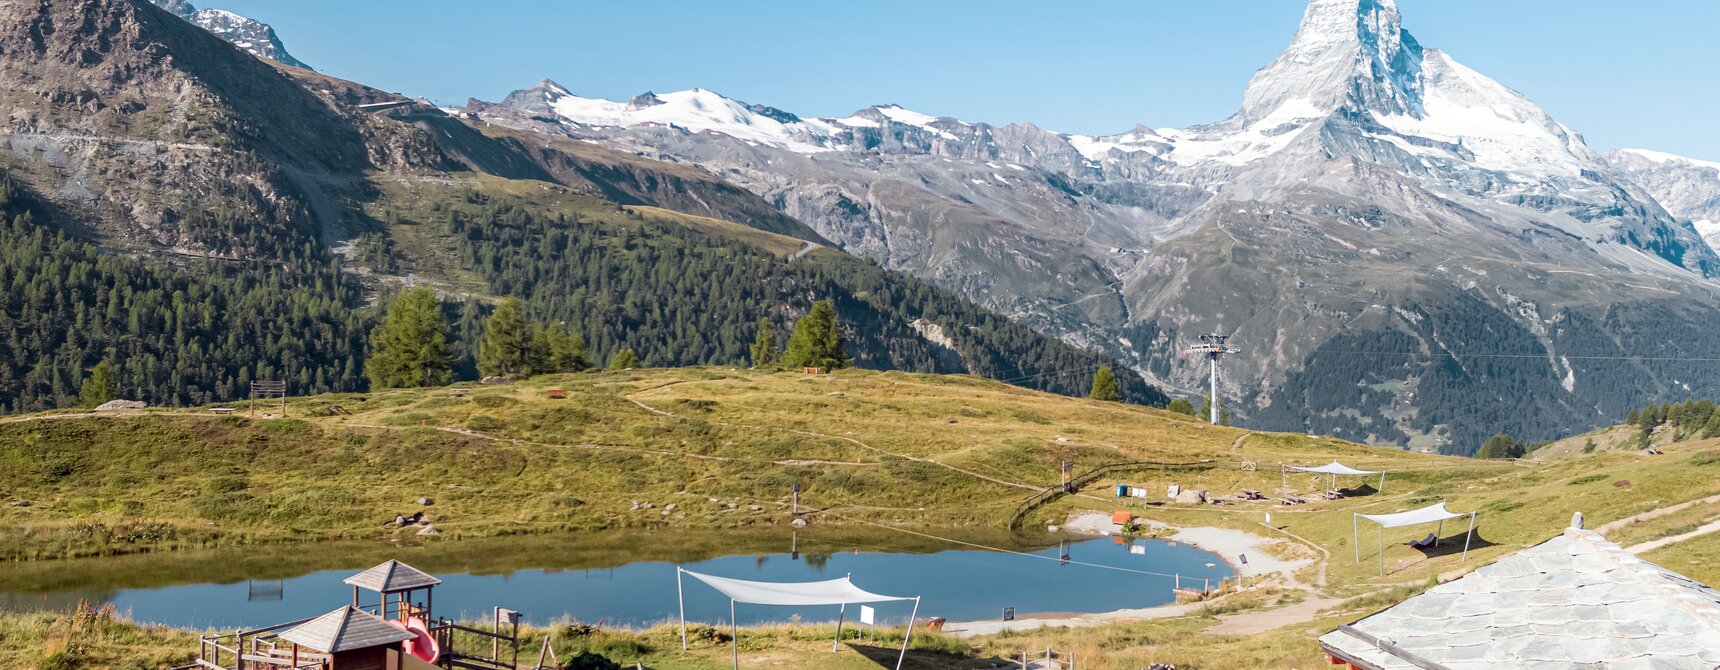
(1622,73)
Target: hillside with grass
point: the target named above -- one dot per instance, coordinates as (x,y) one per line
(723,445)
(702,450)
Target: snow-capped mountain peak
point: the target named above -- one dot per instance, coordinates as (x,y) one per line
(1346,51)
(700,110)
(1378,94)
(252,36)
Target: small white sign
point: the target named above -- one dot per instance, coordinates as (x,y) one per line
(868,615)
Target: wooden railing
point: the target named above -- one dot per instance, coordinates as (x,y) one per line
(260,653)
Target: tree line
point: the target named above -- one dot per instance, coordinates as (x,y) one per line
(410,347)
(180,331)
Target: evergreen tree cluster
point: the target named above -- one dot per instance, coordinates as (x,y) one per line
(171,335)
(1691,419)
(79,324)
(679,296)
(1502,446)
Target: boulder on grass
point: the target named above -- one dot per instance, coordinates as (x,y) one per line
(120,405)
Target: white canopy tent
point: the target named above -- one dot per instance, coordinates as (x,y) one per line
(1334,469)
(1430,514)
(840,592)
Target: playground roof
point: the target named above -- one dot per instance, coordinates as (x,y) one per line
(827,592)
(1574,601)
(392,576)
(1335,468)
(1429,514)
(346,629)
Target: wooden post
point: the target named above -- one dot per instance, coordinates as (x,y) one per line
(496,642)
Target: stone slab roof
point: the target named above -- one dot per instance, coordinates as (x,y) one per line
(1575,601)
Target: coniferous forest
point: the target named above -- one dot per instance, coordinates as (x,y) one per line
(199,330)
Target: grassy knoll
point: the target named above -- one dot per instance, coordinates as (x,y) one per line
(724,446)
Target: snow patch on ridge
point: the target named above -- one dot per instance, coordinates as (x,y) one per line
(698,110)
(1663,157)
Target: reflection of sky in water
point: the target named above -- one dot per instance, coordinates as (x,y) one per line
(960,585)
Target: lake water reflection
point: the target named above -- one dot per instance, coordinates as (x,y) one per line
(957,582)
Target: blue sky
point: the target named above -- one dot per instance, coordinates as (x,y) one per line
(1620,75)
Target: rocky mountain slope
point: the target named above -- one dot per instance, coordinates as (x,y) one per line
(1688,188)
(255,37)
(284,201)
(1409,251)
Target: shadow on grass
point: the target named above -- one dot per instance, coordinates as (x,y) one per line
(918,659)
(1453,544)
(1359,491)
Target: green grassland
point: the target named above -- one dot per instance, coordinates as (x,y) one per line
(876,451)
(888,447)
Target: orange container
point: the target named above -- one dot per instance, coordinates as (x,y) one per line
(1122,516)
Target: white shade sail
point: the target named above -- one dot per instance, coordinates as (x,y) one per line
(1429,514)
(827,592)
(1335,468)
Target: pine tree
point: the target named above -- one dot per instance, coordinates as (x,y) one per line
(1501,446)
(562,350)
(100,387)
(764,351)
(410,347)
(1181,406)
(507,348)
(1104,384)
(623,359)
(817,340)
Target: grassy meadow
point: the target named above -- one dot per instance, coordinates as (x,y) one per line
(950,456)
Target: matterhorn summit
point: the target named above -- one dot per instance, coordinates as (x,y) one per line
(1347,52)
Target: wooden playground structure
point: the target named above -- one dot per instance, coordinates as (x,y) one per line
(396,629)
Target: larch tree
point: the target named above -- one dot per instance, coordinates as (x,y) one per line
(1104,385)
(99,387)
(562,349)
(764,351)
(817,340)
(410,347)
(623,359)
(1181,406)
(1501,446)
(507,347)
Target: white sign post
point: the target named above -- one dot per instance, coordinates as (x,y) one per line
(868,615)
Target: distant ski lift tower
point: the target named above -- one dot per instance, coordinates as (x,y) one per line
(1213,346)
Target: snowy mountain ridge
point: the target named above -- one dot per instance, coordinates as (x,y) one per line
(1689,188)
(1367,187)
(252,36)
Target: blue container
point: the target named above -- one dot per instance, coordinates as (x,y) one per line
(1122,490)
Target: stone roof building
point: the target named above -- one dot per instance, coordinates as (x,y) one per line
(1575,601)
